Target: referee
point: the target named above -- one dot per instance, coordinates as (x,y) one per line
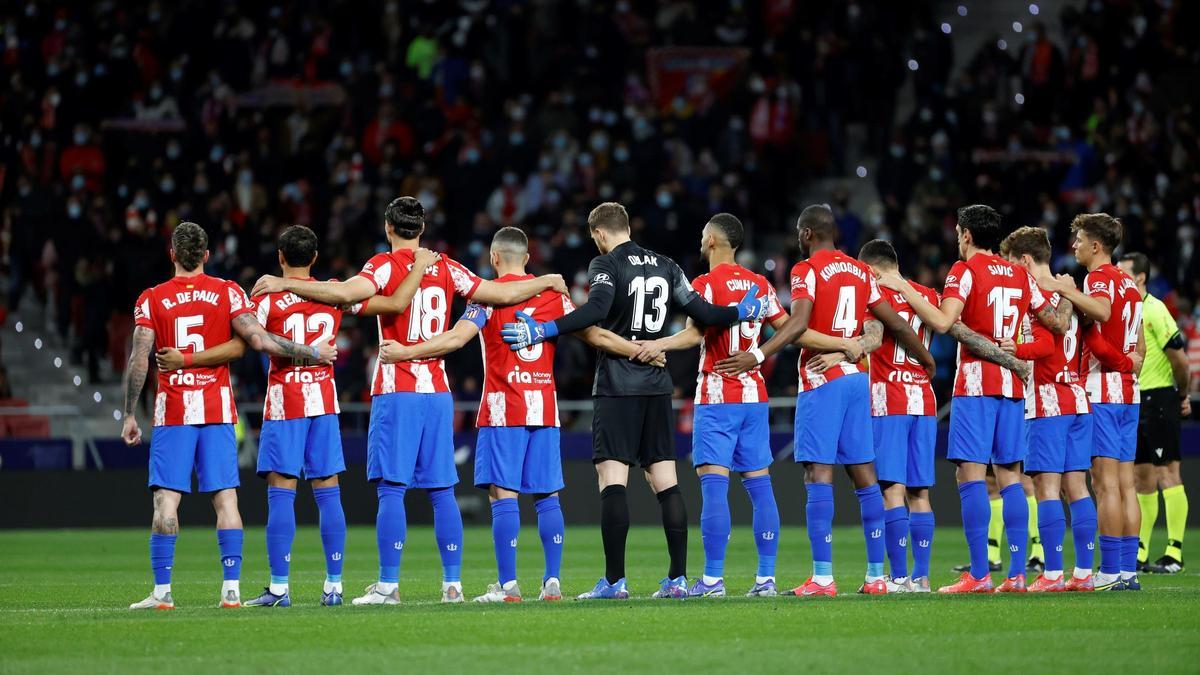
(1164,383)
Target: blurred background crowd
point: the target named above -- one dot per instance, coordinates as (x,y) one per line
(121,119)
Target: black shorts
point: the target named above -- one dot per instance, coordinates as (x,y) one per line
(633,429)
(1158,427)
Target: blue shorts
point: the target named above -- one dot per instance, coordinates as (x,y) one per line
(904,446)
(986,430)
(308,447)
(522,459)
(1115,429)
(736,436)
(208,449)
(410,440)
(1059,444)
(833,422)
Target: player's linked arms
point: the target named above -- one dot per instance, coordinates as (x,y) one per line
(510,293)
(988,350)
(135,379)
(248,328)
(170,358)
(654,351)
(608,341)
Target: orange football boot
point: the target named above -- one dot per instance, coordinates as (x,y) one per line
(969,584)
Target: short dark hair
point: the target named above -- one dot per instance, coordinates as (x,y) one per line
(510,241)
(610,217)
(1141,263)
(190,242)
(819,219)
(1100,227)
(983,222)
(730,227)
(406,215)
(1031,241)
(298,244)
(879,252)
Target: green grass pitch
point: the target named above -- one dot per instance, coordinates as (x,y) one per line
(63,594)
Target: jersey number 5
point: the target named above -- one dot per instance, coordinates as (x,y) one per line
(184,338)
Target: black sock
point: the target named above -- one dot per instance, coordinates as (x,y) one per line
(674,515)
(614,529)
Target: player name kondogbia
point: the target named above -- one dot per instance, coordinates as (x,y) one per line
(840,266)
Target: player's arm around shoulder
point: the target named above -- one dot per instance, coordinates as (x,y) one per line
(942,316)
(511,292)
(399,300)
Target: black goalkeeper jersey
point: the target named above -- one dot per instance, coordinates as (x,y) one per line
(632,293)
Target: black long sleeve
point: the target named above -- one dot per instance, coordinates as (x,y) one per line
(600,299)
(708,314)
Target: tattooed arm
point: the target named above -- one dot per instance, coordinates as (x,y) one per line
(135,379)
(872,335)
(248,328)
(988,350)
(1057,320)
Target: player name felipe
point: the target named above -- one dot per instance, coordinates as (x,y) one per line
(211,297)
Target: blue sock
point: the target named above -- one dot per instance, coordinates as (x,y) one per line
(1110,554)
(920,537)
(714,522)
(506,527)
(448,530)
(895,532)
(818,514)
(281,531)
(391,529)
(1083,532)
(1129,550)
(552,530)
(229,542)
(1016,526)
(1052,527)
(765,523)
(333,529)
(162,557)
(976,513)
(870,506)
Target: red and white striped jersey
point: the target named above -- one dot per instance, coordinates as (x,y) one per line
(996,295)
(899,385)
(427,316)
(190,314)
(1055,389)
(298,389)
(726,284)
(518,386)
(842,290)
(1121,331)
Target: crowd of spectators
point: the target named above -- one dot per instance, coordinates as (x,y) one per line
(121,119)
